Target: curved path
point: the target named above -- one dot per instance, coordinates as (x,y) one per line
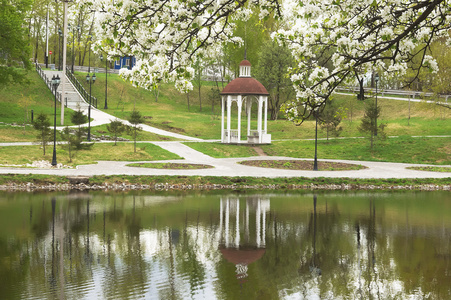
(222,166)
(230,167)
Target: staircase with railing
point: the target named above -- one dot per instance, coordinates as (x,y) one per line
(48,82)
(75,93)
(81,90)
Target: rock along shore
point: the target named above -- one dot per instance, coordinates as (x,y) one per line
(31,187)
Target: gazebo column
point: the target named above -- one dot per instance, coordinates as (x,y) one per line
(258,224)
(222,119)
(237,228)
(259,121)
(221,217)
(265,99)
(227,220)
(240,103)
(249,111)
(229,116)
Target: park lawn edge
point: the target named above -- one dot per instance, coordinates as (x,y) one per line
(32,182)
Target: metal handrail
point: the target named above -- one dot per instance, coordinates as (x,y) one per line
(48,82)
(383,91)
(83,93)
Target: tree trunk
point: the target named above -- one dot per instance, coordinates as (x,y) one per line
(134,137)
(200,97)
(187,96)
(43,144)
(157,93)
(37,41)
(88,42)
(361,95)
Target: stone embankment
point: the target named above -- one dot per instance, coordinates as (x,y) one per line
(166,187)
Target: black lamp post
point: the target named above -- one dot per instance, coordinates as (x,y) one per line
(55,83)
(106,80)
(376,79)
(315,162)
(89,66)
(60,33)
(91,80)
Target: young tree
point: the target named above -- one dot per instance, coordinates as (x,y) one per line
(25,102)
(116,127)
(42,125)
(70,138)
(214,96)
(135,119)
(369,124)
(330,118)
(78,118)
(198,69)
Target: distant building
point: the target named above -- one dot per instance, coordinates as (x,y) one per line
(125,62)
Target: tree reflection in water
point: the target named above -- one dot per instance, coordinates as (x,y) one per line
(340,245)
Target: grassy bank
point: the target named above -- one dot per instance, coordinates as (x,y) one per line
(400,149)
(17,102)
(211,182)
(171,111)
(19,155)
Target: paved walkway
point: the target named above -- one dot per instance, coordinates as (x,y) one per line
(228,167)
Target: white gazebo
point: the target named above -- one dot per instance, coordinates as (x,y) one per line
(245,90)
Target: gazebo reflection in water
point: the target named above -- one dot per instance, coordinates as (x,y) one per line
(243,231)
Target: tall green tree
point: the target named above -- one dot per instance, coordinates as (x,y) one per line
(14,45)
(254,32)
(135,119)
(272,71)
(42,125)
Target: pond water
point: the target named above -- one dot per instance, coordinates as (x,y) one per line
(217,245)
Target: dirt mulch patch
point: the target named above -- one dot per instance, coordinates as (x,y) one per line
(301,165)
(169,166)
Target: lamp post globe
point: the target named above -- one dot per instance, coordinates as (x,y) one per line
(55,83)
(60,33)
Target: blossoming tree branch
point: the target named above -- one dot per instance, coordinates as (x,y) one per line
(333,41)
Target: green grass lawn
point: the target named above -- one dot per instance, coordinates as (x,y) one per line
(40,100)
(98,131)
(10,133)
(18,155)
(171,113)
(402,149)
